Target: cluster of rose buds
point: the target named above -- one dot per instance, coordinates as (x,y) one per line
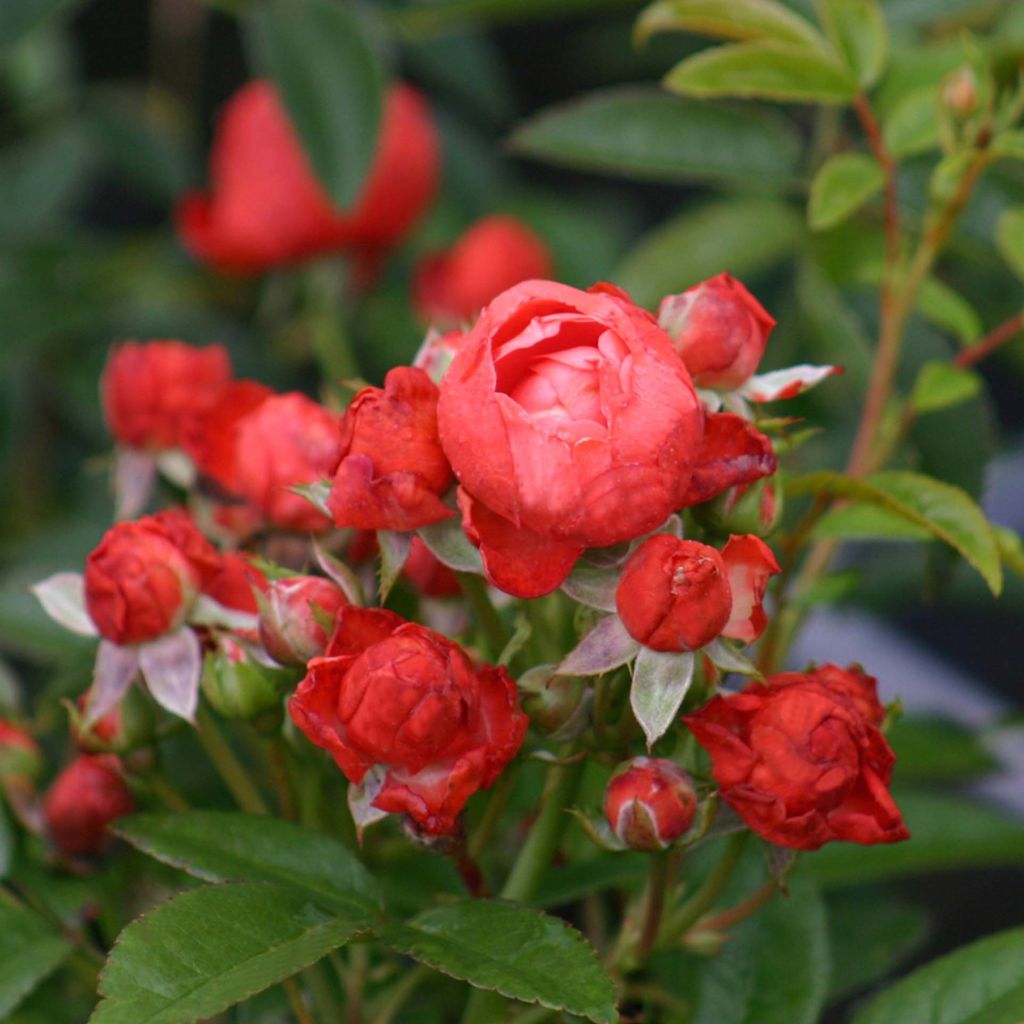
(551,439)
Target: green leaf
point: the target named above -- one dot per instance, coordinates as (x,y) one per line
(947,309)
(982,983)
(742,236)
(760,70)
(844,183)
(774,969)
(18,17)
(946,511)
(514,950)
(1010,239)
(566,884)
(331,82)
(645,134)
(871,933)
(857,29)
(941,385)
(982,837)
(30,950)
(1011,548)
(1009,144)
(737,19)
(938,750)
(857,521)
(912,126)
(210,948)
(231,846)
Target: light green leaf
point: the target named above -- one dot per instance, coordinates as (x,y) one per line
(511,949)
(210,948)
(945,308)
(857,29)
(912,126)
(844,183)
(737,19)
(1010,239)
(946,511)
(1011,548)
(30,950)
(940,385)
(982,983)
(858,521)
(230,846)
(983,837)
(646,134)
(330,80)
(760,70)
(742,236)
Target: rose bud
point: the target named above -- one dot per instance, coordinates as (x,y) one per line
(236,584)
(650,803)
(674,595)
(437,352)
(150,391)
(392,471)
(800,764)
(239,687)
(570,423)
(138,583)
(746,508)
(414,705)
(496,253)
(548,699)
(84,799)
(124,728)
(852,685)
(20,757)
(179,527)
(428,575)
(719,330)
(266,206)
(293,617)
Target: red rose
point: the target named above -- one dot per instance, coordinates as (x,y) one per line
(496,253)
(291,627)
(357,628)
(236,583)
(138,583)
(85,798)
(719,330)
(678,595)
(429,576)
(852,684)
(392,470)
(151,391)
(800,764)
(179,527)
(570,423)
(650,803)
(414,705)
(266,206)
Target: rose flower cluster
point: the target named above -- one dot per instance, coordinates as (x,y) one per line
(546,440)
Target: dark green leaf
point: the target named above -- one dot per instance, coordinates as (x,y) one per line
(331,82)
(1010,239)
(231,846)
(940,385)
(858,31)
(645,134)
(210,948)
(844,183)
(518,952)
(759,70)
(737,19)
(871,933)
(946,832)
(742,236)
(982,983)
(946,511)
(30,949)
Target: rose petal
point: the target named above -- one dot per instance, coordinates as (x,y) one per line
(605,647)
(749,563)
(172,666)
(732,452)
(787,383)
(62,596)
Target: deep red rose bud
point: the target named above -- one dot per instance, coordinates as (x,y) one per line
(650,803)
(266,207)
(84,799)
(392,470)
(570,423)
(179,527)
(293,616)
(719,330)
(151,391)
(428,575)
(414,705)
(437,352)
(851,684)
(495,253)
(800,764)
(674,595)
(138,583)
(20,756)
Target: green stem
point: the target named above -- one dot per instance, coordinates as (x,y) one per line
(484,612)
(654,902)
(323,992)
(396,998)
(230,769)
(277,756)
(166,793)
(496,804)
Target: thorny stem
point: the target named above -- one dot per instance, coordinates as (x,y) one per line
(230,769)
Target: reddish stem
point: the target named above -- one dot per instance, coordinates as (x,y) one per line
(995,338)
